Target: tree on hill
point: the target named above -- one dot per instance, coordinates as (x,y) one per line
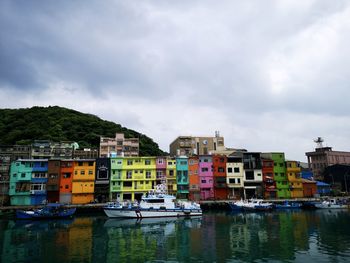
(23,126)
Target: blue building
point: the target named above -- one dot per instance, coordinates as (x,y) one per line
(323,188)
(38,181)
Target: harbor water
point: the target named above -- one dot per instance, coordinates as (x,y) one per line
(294,236)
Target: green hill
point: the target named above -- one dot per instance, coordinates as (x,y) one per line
(22,126)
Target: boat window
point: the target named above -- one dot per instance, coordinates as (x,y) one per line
(159,200)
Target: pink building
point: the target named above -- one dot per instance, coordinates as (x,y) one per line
(161,170)
(206,179)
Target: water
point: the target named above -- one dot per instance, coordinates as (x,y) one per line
(304,236)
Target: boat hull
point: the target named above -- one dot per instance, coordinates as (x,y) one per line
(331,206)
(21,214)
(146,213)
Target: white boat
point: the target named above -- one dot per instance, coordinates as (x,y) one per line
(331,204)
(154,204)
(257,205)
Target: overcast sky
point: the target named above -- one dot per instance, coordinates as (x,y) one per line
(269,75)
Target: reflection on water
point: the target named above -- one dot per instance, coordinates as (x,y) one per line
(296,236)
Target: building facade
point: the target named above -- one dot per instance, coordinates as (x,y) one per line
(193,172)
(269,183)
(219,174)
(235,176)
(119,146)
(293,171)
(182,178)
(83,181)
(189,146)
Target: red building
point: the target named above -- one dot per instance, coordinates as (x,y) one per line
(66,176)
(219,174)
(53,181)
(269,183)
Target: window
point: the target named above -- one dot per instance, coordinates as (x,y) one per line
(203,181)
(82,172)
(148,174)
(129,162)
(160,161)
(171,172)
(205,169)
(232,180)
(80,163)
(229,170)
(183,162)
(147,162)
(238,180)
(90,163)
(249,175)
(129,175)
(66,186)
(119,162)
(221,170)
(66,175)
(23,175)
(91,172)
(236,169)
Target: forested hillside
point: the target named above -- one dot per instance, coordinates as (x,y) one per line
(22,126)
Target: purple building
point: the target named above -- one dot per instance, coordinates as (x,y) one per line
(206,179)
(161,170)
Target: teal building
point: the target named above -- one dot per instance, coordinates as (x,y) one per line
(182,178)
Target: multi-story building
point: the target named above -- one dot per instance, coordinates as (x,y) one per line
(132,177)
(323,157)
(28,182)
(193,172)
(252,175)
(39,181)
(206,179)
(53,181)
(309,188)
(182,179)
(161,170)
(103,168)
(171,176)
(9,154)
(269,184)
(189,145)
(219,173)
(235,175)
(20,182)
(41,149)
(65,181)
(294,177)
(83,182)
(119,146)
(86,153)
(280,177)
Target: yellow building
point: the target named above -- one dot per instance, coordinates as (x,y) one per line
(131,177)
(171,176)
(294,178)
(83,182)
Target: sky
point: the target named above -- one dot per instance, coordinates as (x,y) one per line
(269,75)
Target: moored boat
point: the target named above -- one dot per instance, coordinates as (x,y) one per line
(50,211)
(331,204)
(154,204)
(257,205)
(288,205)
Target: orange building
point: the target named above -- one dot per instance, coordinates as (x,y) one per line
(219,173)
(193,166)
(66,175)
(83,182)
(309,188)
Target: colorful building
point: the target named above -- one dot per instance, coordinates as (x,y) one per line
(132,177)
(161,170)
(235,175)
(206,179)
(279,169)
(83,182)
(269,183)
(182,179)
(66,178)
(171,176)
(294,177)
(309,188)
(20,182)
(193,171)
(219,173)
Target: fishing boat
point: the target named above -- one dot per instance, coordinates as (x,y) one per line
(257,205)
(288,205)
(237,205)
(50,211)
(331,204)
(155,203)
